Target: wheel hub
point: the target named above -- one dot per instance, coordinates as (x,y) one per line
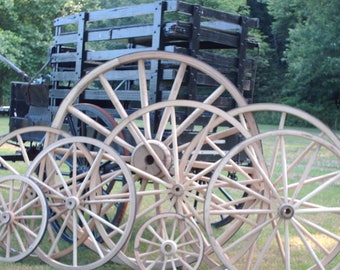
(177,190)
(169,248)
(286,211)
(71,203)
(5,217)
(30,193)
(144,160)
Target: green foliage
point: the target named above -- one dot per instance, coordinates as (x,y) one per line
(313,60)
(26,31)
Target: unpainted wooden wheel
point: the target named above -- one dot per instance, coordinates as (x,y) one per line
(169,241)
(137,69)
(23,217)
(81,204)
(294,217)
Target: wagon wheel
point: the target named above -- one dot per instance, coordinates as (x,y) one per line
(295,213)
(167,239)
(79,204)
(17,149)
(170,175)
(282,117)
(23,217)
(220,87)
(101,80)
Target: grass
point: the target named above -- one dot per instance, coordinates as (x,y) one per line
(34,263)
(4,125)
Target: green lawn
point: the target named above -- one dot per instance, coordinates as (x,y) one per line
(4,128)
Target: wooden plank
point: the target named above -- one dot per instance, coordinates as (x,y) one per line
(128,95)
(65,39)
(121,12)
(70,19)
(123,32)
(65,76)
(63,57)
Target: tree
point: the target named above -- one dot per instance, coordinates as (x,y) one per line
(26,32)
(313,60)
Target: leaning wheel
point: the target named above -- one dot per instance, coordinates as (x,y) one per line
(81,204)
(295,211)
(20,147)
(23,217)
(167,241)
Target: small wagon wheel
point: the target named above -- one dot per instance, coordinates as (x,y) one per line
(171,171)
(166,240)
(18,148)
(79,204)
(23,217)
(294,215)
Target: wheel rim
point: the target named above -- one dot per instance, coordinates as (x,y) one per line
(23,217)
(290,217)
(80,205)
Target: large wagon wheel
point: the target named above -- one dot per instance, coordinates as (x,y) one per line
(100,81)
(18,148)
(23,217)
(79,204)
(295,212)
(280,117)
